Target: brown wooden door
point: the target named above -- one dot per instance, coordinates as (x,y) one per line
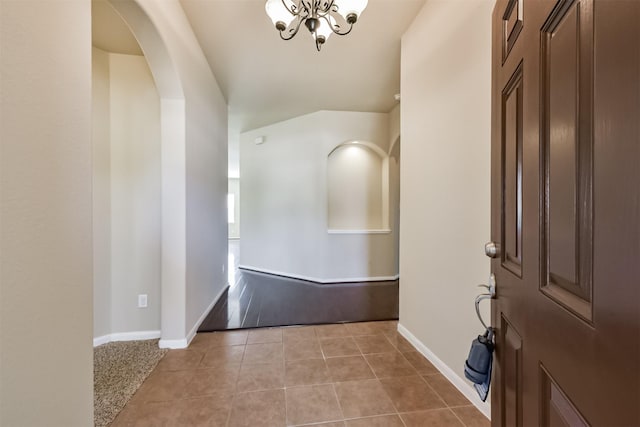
(566,212)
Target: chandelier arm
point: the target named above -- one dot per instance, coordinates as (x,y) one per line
(337,31)
(330,4)
(292,10)
(329,8)
(290,30)
(336,27)
(310,12)
(307,6)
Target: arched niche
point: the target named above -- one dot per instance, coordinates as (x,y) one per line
(173,169)
(357,188)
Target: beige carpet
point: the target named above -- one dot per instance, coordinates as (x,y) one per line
(119,368)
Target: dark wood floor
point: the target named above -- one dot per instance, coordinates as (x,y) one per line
(258,300)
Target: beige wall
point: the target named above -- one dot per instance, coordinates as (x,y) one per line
(101,141)
(135,194)
(445,175)
(354,192)
(394,197)
(126,196)
(205,159)
(45,214)
(394,125)
(193,165)
(394,178)
(284,200)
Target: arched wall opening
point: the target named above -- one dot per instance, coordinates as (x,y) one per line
(285,197)
(193,142)
(126,197)
(358,188)
(145,158)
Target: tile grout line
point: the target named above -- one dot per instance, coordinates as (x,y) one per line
(423,380)
(385,414)
(335,393)
(430,410)
(421,377)
(384,390)
(458,417)
(435,391)
(284,381)
(235,394)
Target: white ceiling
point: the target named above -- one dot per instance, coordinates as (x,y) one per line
(267,80)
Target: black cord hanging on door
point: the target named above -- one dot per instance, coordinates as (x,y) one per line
(479,363)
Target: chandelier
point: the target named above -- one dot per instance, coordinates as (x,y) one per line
(321,17)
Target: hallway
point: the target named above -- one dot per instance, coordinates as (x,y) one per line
(259,300)
(349,375)
(48,198)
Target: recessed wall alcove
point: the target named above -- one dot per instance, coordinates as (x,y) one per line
(300,177)
(357,189)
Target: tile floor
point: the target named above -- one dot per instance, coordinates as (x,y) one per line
(347,375)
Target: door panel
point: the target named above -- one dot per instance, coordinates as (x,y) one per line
(566,212)
(557,409)
(511,384)
(511,26)
(512,173)
(566,120)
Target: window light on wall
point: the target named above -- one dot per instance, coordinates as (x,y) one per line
(231,208)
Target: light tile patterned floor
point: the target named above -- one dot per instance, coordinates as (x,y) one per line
(349,375)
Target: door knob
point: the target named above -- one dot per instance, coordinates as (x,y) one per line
(492,249)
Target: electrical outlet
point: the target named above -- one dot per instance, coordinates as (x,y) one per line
(222,268)
(142,301)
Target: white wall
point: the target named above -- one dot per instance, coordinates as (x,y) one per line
(46,356)
(126,196)
(284,200)
(207,170)
(394,196)
(194,165)
(394,178)
(101,141)
(205,159)
(445,175)
(354,174)
(135,194)
(234,228)
(394,125)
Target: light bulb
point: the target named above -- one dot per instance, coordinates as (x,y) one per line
(278,12)
(347,7)
(324,29)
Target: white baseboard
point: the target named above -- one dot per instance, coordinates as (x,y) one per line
(184,342)
(318,280)
(194,330)
(461,384)
(104,339)
(173,344)
(126,336)
(381,231)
